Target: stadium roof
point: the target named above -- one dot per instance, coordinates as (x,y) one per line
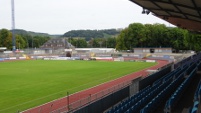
(185,14)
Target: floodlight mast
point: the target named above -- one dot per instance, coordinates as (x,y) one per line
(13,24)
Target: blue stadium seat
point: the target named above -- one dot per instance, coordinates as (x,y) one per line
(147,99)
(177,94)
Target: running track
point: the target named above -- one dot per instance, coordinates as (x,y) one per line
(56,104)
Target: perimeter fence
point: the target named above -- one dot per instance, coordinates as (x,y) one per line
(70,107)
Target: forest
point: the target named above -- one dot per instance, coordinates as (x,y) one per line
(89,34)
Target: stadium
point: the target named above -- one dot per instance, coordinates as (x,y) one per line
(103,80)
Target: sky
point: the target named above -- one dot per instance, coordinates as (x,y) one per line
(61,16)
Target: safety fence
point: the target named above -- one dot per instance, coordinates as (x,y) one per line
(70,107)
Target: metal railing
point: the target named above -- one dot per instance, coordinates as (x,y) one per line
(91,98)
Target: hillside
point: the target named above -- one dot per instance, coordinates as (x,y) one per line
(88,34)
(24,32)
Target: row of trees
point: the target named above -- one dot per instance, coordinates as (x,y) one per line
(21,41)
(157,35)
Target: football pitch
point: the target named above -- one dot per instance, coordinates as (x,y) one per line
(25,84)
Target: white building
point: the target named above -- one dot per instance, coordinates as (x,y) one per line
(95,50)
(152,50)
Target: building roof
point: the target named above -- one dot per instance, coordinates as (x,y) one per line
(57,43)
(185,14)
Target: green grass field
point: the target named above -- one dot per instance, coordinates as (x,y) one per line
(25,84)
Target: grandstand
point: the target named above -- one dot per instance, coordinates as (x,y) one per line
(160,92)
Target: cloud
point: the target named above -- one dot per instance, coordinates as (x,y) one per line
(60,16)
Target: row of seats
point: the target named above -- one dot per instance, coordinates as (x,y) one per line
(172,101)
(132,99)
(193,65)
(152,105)
(197,100)
(183,62)
(139,100)
(147,100)
(198,92)
(139,105)
(194,109)
(166,77)
(186,61)
(199,64)
(174,74)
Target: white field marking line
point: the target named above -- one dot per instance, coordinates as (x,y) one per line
(73,93)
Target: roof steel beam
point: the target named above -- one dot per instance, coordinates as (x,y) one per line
(193,1)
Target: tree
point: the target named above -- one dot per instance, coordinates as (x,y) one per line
(95,43)
(133,36)
(39,40)
(20,42)
(157,35)
(121,40)
(4,37)
(111,42)
(78,42)
(193,41)
(8,41)
(81,43)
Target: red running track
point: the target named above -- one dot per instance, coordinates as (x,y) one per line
(85,94)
